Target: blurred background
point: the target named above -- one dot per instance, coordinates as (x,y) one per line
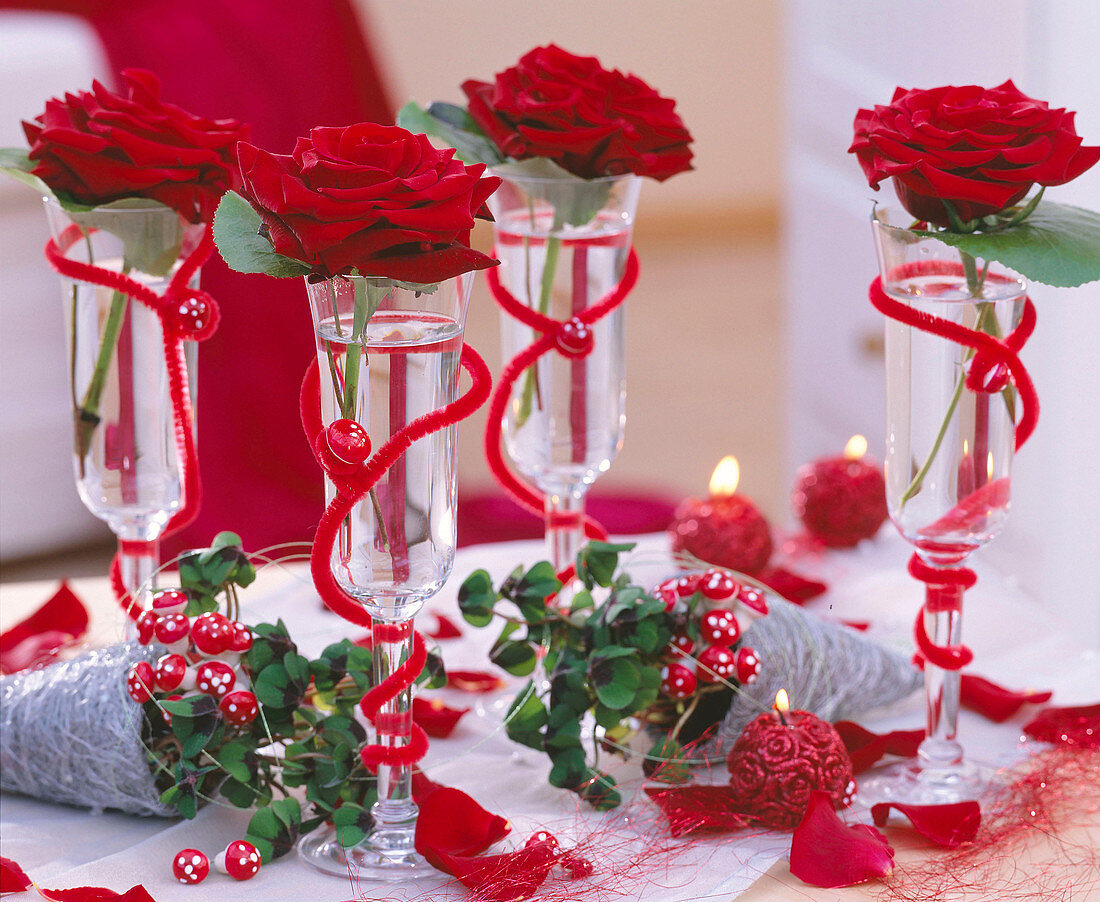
(749,332)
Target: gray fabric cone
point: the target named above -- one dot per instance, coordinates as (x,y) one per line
(70,733)
(827,669)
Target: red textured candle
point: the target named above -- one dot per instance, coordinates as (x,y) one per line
(841,500)
(780,758)
(725,529)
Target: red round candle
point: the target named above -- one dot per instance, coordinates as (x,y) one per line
(725,529)
(778,760)
(841,500)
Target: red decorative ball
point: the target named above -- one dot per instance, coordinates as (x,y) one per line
(723,530)
(840,501)
(190,866)
(774,767)
(348,440)
(574,338)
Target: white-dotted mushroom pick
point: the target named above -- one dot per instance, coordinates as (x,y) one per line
(716,663)
(140,682)
(215,678)
(190,866)
(240,707)
(240,860)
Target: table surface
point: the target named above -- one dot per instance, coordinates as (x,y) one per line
(60,846)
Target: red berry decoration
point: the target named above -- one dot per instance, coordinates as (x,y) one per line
(169,601)
(212,633)
(240,639)
(840,501)
(717,585)
(774,767)
(172,631)
(240,707)
(681,644)
(677,681)
(723,530)
(719,628)
(753,598)
(348,440)
(240,860)
(190,866)
(170,673)
(146,623)
(140,682)
(748,665)
(716,663)
(574,338)
(215,678)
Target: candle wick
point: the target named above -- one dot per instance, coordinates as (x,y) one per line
(782,719)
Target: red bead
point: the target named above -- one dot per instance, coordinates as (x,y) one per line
(717,585)
(193,316)
(748,665)
(212,633)
(171,670)
(716,664)
(146,624)
(574,338)
(215,678)
(726,531)
(677,681)
(140,682)
(240,707)
(240,860)
(719,628)
(840,501)
(348,441)
(190,866)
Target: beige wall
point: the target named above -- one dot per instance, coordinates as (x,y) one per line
(718,58)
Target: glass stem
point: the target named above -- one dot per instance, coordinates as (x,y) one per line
(395,811)
(940,755)
(137,562)
(564,525)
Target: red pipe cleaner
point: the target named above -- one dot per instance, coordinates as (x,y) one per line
(353,482)
(995,361)
(553,335)
(176,310)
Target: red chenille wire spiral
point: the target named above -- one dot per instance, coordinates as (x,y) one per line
(172,309)
(995,361)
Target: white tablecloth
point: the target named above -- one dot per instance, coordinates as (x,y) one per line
(1014,641)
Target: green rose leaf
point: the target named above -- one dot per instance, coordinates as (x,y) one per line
(244,249)
(576,201)
(15,162)
(455,127)
(1056,244)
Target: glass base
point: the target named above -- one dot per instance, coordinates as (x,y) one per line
(910,784)
(365,861)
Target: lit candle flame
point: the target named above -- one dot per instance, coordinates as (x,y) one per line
(856,447)
(726,476)
(989,467)
(782,706)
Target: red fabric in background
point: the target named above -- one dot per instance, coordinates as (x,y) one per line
(284,66)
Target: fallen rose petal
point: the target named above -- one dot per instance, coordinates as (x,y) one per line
(96,894)
(796,589)
(698,809)
(12,878)
(1075,726)
(945,825)
(994,701)
(435,718)
(473,681)
(866,748)
(861,625)
(422,786)
(828,853)
(499,878)
(61,621)
(453,823)
(445,629)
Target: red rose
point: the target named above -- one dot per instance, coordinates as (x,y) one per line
(96,147)
(590,121)
(373,198)
(981,149)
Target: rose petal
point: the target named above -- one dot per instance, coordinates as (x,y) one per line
(860,625)
(865,748)
(828,853)
(499,878)
(994,701)
(698,809)
(61,621)
(96,894)
(945,825)
(435,718)
(1076,726)
(12,878)
(453,823)
(795,588)
(445,629)
(474,681)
